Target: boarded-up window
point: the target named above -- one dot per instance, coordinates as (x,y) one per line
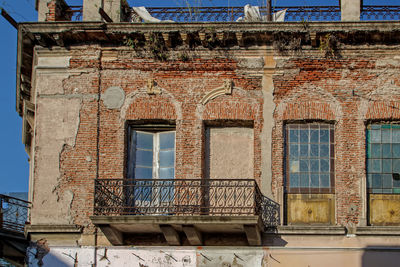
(229,152)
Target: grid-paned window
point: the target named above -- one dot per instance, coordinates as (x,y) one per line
(383,158)
(309,158)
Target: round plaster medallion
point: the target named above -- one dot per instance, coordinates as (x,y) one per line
(114,97)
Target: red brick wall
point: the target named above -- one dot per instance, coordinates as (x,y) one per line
(183,85)
(345,92)
(348,93)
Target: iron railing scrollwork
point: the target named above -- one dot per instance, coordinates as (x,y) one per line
(269,211)
(380,13)
(13,213)
(214,197)
(231,14)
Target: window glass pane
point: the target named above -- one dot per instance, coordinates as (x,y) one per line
(375,136)
(304,165)
(396,150)
(294,151)
(387,180)
(314,165)
(324,165)
(376,181)
(143,173)
(294,166)
(387,165)
(386,151)
(144,158)
(304,135)
(167,173)
(293,136)
(386,136)
(314,151)
(324,136)
(314,136)
(294,180)
(314,180)
(396,135)
(396,165)
(304,180)
(396,180)
(167,158)
(376,166)
(144,140)
(304,150)
(375,151)
(324,151)
(325,180)
(167,140)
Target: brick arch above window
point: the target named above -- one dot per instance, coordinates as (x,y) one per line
(307,111)
(151,107)
(226,110)
(383,110)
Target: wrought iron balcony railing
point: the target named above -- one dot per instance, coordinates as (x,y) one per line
(230,14)
(222,197)
(13,213)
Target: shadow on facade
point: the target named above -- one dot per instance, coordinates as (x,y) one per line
(381,256)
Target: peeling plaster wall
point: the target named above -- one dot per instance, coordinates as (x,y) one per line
(56,126)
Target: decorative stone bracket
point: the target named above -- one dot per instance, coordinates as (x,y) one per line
(226,89)
(152,88)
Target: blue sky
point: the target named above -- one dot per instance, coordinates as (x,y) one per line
(14,169)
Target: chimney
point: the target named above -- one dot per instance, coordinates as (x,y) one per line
(115,9)
(350,10)
(52,10)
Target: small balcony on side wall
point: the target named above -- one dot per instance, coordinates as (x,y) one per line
(183,211)
(13,218)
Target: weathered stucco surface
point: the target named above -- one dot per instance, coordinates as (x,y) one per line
(230,152)
(56,126)
(346,256)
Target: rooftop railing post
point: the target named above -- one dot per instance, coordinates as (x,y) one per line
(269,10)
(350,10)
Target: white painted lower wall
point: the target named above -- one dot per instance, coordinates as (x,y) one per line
(216,256)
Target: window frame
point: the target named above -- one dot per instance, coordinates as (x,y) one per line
(155,129)
(369,127)
(287,181)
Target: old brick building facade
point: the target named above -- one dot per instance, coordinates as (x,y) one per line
(267,143)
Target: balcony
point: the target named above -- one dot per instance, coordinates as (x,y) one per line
(13,217)
(182,209)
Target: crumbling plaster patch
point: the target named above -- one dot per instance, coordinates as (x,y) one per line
(269,67)
(57,125)
(50,83)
